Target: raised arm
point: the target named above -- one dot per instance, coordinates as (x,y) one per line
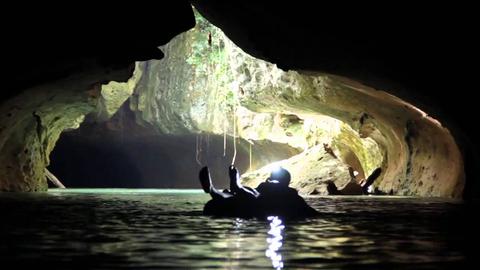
(234,175)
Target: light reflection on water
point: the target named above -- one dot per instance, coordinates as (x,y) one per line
(275,242)
(152,229)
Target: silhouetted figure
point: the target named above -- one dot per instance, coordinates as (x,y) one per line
(271,198)
(207,185)
(276,184)
(277,198)
(373,176)
(353,187)
(236,187)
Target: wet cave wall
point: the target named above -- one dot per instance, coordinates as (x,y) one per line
(288,104)
(33,121)
(402,48)
(59,69)
(206,83)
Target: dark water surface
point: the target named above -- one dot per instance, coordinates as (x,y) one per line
(156,229)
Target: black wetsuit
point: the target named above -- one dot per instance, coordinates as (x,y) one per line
(279,200)
(269,199)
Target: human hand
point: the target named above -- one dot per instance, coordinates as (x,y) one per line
(233,172)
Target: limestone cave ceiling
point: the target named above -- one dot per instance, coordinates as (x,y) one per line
(417,58)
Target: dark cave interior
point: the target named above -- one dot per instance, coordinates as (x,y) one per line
(388,85)
(421,57)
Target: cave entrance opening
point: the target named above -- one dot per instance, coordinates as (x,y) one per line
(177,112)
(318,125)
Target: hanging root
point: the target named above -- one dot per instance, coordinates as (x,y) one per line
(208,148)
(224,137)
(250,158)
(234,151)
(234,136)
(198,149)
(250,155)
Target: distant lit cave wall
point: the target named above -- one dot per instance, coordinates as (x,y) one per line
(207,84)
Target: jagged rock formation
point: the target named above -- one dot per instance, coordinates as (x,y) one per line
(207,84)
(59,60)
(33,121)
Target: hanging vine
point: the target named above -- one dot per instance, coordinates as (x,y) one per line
(234,135)
(225,131)
(250,158)
(209,61)
(208,148)
(198,149)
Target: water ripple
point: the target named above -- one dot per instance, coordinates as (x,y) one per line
(151,229)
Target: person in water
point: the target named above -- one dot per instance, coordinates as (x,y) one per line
(236,188)
(272,197)
(353,187)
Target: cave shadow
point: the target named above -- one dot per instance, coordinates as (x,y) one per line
(84,163)
(155,161)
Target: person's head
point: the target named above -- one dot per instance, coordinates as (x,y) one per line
(281,176)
